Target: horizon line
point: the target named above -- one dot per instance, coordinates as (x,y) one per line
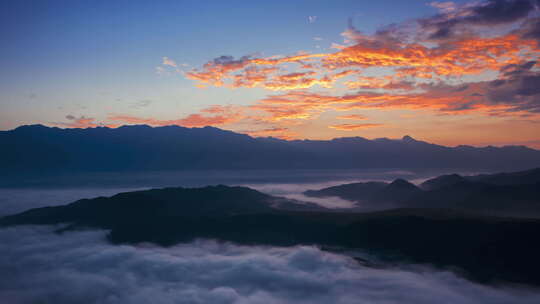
(403,138)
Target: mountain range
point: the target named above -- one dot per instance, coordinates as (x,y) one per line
(41,149)
(487,249)
(514,194)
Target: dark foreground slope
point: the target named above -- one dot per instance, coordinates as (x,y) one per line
(515,194)
(485,249)
(40,149)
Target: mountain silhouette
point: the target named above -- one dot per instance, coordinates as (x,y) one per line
(442,181)
(384,195)
(501,194)
(39,149)
(352,192)
(485,249)
(509,178)
(166,202)
(398,190)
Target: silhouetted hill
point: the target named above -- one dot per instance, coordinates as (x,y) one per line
(502,200)
(176,202)
(442,181)
(398,190)
(485,249)
(531,176)
(353,192)
(369,192)
(382,195)
(504,194)
(40,149)
(513,178)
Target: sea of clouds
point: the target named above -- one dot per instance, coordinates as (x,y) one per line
(40,266)
(40,192)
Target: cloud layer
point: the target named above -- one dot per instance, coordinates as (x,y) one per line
(80,267)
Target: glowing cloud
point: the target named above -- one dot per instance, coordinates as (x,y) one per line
(221,116)
(475,58)
(352,117)
(83,122)
(353,127)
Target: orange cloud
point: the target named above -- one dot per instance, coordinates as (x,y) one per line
(193,120)
(304,80)
(253,76)
(215,71)
(249,72)
(405,66)
(300,58)
(274,113)
(469,56)
(465,57)
(353,127)
(83,122)
(387,82)
(499,97)
(221,115)
(292,81)
(277,132)
(352,117)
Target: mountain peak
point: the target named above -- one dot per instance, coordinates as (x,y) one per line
(401,183)
(133,127)
(31,127)
(408,138)
(442,181)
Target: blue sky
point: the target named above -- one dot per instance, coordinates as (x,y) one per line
(94,59)
(83,55)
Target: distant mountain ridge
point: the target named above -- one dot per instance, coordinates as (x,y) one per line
(486,249)
(525,177)
(39,149)
(209,201)
(501,194)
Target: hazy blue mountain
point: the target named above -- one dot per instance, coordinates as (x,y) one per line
(352,192)
(40,149)
(442,181)
(509,178)
(531,176)
(166,202)
(502,194)
(502,200)
(396,191)
(379,194)
(486,249)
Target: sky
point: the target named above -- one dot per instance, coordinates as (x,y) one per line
(451,72)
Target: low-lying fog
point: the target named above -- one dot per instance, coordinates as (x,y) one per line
(39,266)
(31,192)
